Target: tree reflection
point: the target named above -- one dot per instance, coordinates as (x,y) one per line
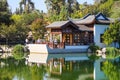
(20,71)
(111,70)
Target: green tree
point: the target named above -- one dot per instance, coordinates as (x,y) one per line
(61,9)
(17,19)
(5,31)
(28,6)
(13,33)
(115,11)
(23,22)
(54,6)
(63,14)
(112,34)
(38,28)
(106,7)
(4,12)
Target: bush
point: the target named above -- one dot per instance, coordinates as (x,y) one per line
(18,52)
(93,48)
(112,52)
(93,57)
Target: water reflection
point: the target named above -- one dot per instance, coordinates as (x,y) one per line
(14,70)
(17,70)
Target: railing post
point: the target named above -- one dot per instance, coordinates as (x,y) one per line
(53,44)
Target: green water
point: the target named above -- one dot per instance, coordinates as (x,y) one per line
(11,69)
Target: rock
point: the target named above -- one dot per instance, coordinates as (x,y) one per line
(103,50)
(99,53)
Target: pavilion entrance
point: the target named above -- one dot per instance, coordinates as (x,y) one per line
(68,38)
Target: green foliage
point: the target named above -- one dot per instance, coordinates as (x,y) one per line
(5,18)
(28,6)
(37,72)
(61,9)
(18,52)
(106,7)
(93,57)
(13,33)
(112,52)
(115,11)
(38,28)
(111,70)
(4,12)
(26,19)
(16,18)
(6,31)
(112,34)
(63,13)
(93,48)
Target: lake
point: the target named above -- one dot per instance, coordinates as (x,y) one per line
(11,69)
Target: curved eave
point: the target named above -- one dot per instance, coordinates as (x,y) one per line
(53,27)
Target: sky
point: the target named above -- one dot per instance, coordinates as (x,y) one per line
(39,4)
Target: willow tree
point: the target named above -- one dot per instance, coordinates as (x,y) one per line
(112,34)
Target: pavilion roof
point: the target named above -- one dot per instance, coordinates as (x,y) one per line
(86,20)
(57,24)
(84,28)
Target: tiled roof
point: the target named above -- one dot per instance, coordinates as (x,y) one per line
(88,19)
(57,24)
(84,28)
(102,22)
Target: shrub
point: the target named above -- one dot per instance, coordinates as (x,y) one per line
(18,52)
(112,52)
(93,48)
(93,57)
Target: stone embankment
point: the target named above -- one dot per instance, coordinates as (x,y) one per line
(6,51)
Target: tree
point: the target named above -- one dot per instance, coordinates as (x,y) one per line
(5,31)
(54,6)
(4,12)
(3,5)
(63,14)
(28,6)
(16,18)
(115,11)
(13,33)
(38,28)
(62,9)
(112,34)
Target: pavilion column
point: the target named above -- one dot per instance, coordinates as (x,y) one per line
(61,37)
(50,37)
